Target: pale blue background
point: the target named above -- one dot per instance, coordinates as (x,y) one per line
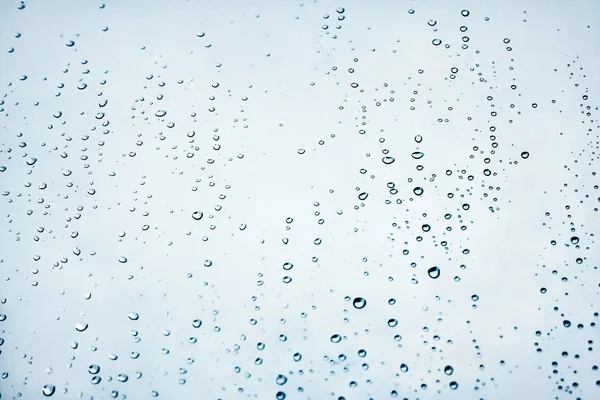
(272,52)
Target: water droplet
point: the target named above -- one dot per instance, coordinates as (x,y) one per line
(359,303)
(336,338)
(417,155)
(567,323)
(81,326)
(160,113)
(48,390)
(197,323)
(94,369)
(363,196)
(133,316)
(418,191)
(453,385)
(197,215)
(525,155)
(387,160)
(436,42)
(465,13)
(287,266)
(433,272)
(281,380)
(448,370)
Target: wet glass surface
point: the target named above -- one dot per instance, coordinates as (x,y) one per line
(287,200)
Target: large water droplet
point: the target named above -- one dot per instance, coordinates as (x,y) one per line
(287,266)
(48,390)
(281,379)
(359,303)
(81,326)
(433,272)
(133,316)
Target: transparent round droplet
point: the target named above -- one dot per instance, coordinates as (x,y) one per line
(359,303)
(433,272)
(387,160)
(48,390)
(81,326)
